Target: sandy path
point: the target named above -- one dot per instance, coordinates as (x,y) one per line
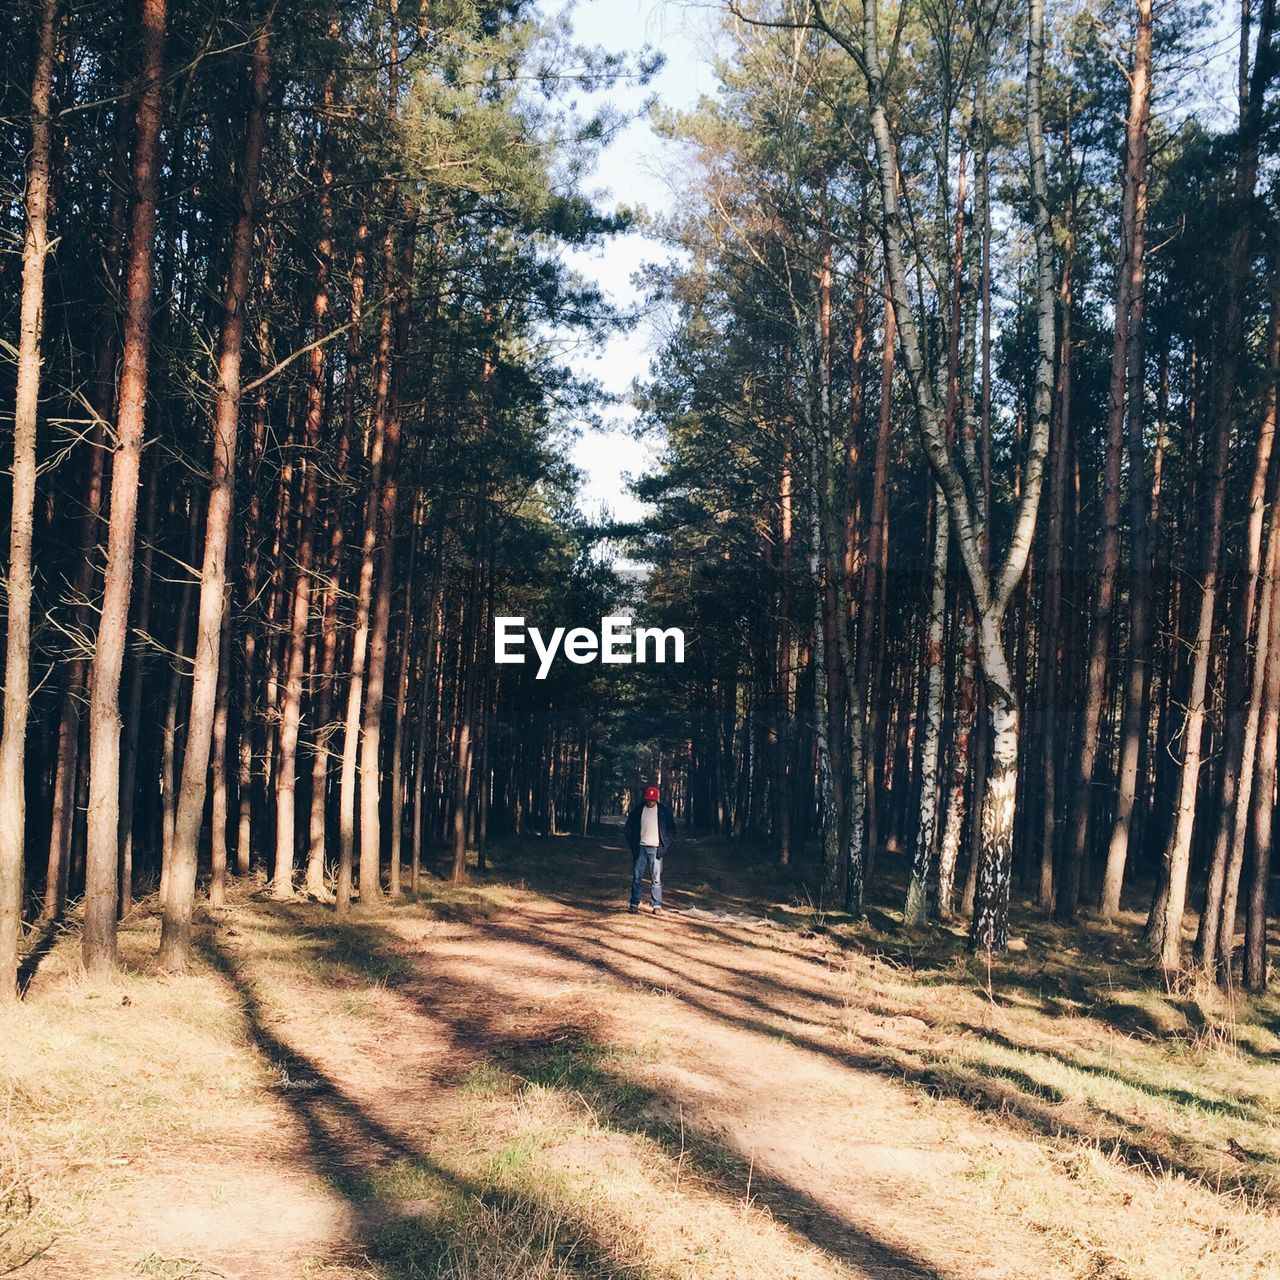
(762,1133)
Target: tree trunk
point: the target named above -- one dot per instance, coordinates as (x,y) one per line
(396,770)
(137,684)
(1164,928)
(300,614)
(786,672)
(364,600)
(991,589)
(1262,807)
(875,573)
(1242,694)
(219,804)
(175,934)
(371,737)
(1126,373)
(963,717)
(466,727)
(179,903)
(325,676)
(98,944)
(917,905)
(1051,617)
(17,670)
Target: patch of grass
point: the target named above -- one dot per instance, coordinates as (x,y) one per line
(100,1073)
(578,1065)
(405,1180)
(508,1238)
(27,1227)
(512,1158)
(340,951)
(485,1081)
(152,1264)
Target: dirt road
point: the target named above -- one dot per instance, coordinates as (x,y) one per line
(529,1082)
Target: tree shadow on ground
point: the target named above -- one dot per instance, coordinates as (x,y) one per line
(1246,1107)
(29,965)
(566,1056)
(1016,1096)
(345,1144)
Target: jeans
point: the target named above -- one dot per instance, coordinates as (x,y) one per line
(648,861)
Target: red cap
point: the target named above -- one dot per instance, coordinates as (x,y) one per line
(650,793)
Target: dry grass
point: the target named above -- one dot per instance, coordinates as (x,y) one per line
(99,1075)
(349,1103)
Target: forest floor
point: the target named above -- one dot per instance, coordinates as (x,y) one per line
(517,1080)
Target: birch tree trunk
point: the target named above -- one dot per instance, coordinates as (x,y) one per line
(916,909)
(953,825)
(991,589)
(1051,618)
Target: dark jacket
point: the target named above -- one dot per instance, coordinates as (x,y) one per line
(666,828)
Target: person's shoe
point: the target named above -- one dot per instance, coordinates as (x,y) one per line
(633,909)
(657,911)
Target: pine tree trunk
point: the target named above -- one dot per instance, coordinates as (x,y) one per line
(326,675)
(98,944)
(1242,694)
(1262,806)
(1164,928)
(137,685)
(396,769)
(300,613)
(466,728)
(371,737)
(173,703)
(247,727)
(429,698)
(17,670)
(364,601)
(75,689)
(1128,317)
(875,575)
(219,802)
(1222,934)
(786,682)
(179,903)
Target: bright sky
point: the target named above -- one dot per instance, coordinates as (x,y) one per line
(630,172)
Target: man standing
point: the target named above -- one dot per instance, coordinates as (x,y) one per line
(650,831)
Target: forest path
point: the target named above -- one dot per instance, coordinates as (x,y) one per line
(526,1081)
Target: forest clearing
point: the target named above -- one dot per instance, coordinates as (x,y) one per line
(519,1080)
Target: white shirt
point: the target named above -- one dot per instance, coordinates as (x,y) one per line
(649,826)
